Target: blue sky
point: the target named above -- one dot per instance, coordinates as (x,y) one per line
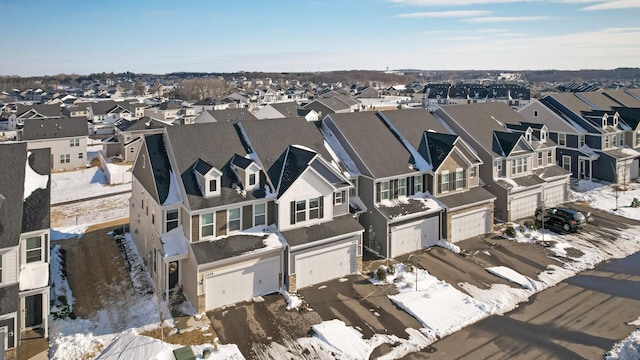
(53,37)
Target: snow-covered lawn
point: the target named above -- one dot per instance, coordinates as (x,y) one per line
(80,184)
(603,196)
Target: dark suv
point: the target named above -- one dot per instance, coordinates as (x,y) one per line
(568,219)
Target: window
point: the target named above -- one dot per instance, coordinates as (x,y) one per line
(314,208)
(301,210)
(444,181)
(154,262)
(384,190)
(80,155)
(233,220)
(472,172)
(127,137)
(402,187)
(543,135)
(550,157)
(540,158)
(74,142)
(259,214)
(518,165)
(580,140)
(566,162)
(132,150)
(65,158)
(252,179)
(460,179)
(172,219)
(417,184)
(338,198)
(34,249)
(620,140)
(606,142)
(206,225)
(562,139)
(499,165)
(213,185)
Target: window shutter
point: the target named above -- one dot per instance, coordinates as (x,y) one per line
(464,178)
(377,192)
(410,190)
(394,189)
(321,206)
(293,212)
(439,183)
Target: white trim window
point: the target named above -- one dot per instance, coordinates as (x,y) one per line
(171,220)
(472,172)
(498,165)
(65,158)
(314,208)
(519,165)
(74,142)
(234,221)
(417,184)
(444,182)
(34,249)
(581,140)
(339,197)
(550,157)
(207,225)
(540,159)
(606,142)
(259,214)
(384,190)
(566,162)
(562,139)
(460,181)
(402,188)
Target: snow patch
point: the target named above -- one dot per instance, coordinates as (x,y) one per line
(33,180)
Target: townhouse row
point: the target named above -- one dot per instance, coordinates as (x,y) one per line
(228,211)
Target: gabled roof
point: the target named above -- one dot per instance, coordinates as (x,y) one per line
(293,162)
(241,161)
(631,116)
(232,115)
(483,121)
(144,123)
(287,109)
(439,146)
(331,103)
(383,154)
(17,214)
(216,144)
(39,129)
(341,225)
(40,110)
(623,97)
(160,165)
(597,100)
(412,123)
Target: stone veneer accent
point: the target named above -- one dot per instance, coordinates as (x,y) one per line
(195,228)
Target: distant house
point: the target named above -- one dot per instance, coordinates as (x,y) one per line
(286,110)
(128,138)
(232,115)
(368,93)
(24,245)
(324,106)
(102,115)
(66,137)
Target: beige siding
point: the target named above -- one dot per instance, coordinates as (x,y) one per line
(10,267)
(306,187)
(62,147)
(221,222)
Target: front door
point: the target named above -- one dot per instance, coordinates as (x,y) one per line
(33,311)
(173,274)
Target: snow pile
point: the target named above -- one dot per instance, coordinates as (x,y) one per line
(293,301)
(174,196)
(174,242)
(345,339)
(67,232)
(514,276)
(34,275)
(628,348)
(422,298)
(59,284)
(132,346)
(33,180)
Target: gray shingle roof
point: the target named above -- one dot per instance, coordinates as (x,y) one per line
(412,123)
(159,161)
(216,143)
(287,109)
(481,121)
(144,123)
(235,245)
(35,210)
(53,110)
(439,146)
(285,172)
(341,225)
(460,199)
(38,129)
(378,148)
(403,208)
(232,115)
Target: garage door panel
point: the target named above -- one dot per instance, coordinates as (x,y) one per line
(524,206)
(555,195)
(414,236)
(470,224)
(242,283)
(324,264)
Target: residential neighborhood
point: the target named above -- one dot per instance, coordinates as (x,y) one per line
(271,201)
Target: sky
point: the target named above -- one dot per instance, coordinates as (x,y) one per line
(161,36)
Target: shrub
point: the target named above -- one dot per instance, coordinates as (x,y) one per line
(408,267)
(391,269)
(381,274)
(530,224)
(510,232)
(635,203)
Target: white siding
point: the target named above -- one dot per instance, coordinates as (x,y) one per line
(10,266)
(307,186)
(60,147)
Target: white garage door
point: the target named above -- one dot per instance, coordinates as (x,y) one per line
(325,264)
(635,169)
(524,206)
(555,195)
(242,282)
(469,224)
(414,236)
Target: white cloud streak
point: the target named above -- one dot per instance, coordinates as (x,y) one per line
(614,5)
(484,2)
(445,14)
(502,19)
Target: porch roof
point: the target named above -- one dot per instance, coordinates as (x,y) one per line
(473,195)
(341,225)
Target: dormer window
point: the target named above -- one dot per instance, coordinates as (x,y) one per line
(213,185)
(252,179)
(604,120)
(615,120)
(208,178)
(528,135)
(543,135)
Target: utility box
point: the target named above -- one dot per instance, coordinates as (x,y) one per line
(184,353)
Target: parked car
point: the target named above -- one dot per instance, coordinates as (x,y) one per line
(569,220)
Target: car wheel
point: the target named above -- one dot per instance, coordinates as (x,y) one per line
(566,227)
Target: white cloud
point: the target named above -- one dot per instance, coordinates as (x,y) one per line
(496,19)
(612,5)
(481,2)
(445,14)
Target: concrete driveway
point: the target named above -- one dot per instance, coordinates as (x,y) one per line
(254,326)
